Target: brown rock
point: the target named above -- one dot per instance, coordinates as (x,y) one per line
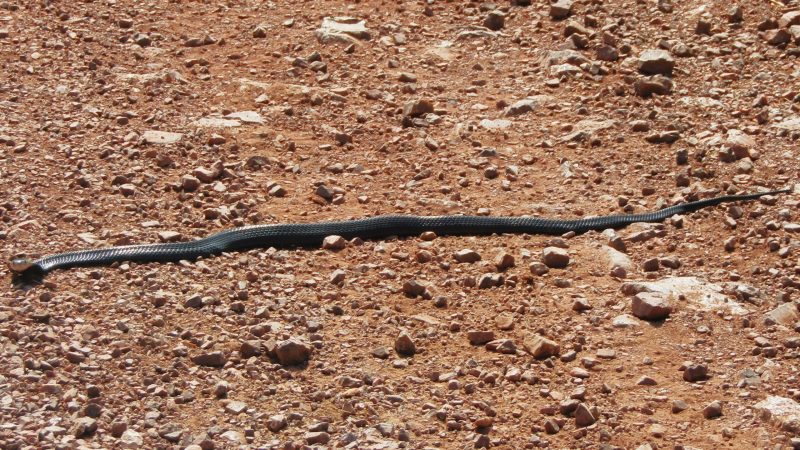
(292,352)
(540,347)
(555,257)
(651,306)
(404,345)
(210,359)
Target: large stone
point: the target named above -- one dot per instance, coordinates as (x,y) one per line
(556,57)
(479,337)
(739,143)
(404,345)
(292,352)
(655,85)
(781,411)
(540,347)
(656,62)
(584,416)
(417,108)
(210,359)
(651,306)
(347,30)
(555,257)
(789,19)
(699,294)
(131,440)
(785,314)
(561,9)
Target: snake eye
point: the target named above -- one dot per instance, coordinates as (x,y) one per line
(20,265)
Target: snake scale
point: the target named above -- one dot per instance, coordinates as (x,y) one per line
(313,234)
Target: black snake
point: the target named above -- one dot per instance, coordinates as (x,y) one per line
(308,234)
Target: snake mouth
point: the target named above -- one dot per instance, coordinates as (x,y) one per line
(20,265)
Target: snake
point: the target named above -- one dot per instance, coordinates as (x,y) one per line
(381,226)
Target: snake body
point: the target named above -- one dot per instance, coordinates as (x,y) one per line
(313,234)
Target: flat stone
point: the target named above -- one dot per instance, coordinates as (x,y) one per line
(496,124)
(699,294)
(347,30)
(792,124)
(477,337)
(210,359)
(625,321)
(417,108)
(161,137)
(781,411)
(467,256)
(789,19)
(246,117)
(216,122)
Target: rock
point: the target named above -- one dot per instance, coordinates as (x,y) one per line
(504,261)
(561,9)
(777,37)
(584,416)
(210,359)
(656,62)
(276,423)
(699,293)
(84,427)
(785,314)
(651,306)
(504,346)
(495,20)
(317,438)
(657,84)
(794,32)
(524,106)
(475,32)
(417,108)
(540,347)
(251,348)
(679,406)
(555,257)
(476,337)
(781,411)
(334,243)
(607,53)
(169,236)
(404,345)
(131,440)
(216,122)
(496,124)
(292,352)
(246,117)
(161,137)
(260,31)
(235,407)
(789,19)
(695,372)
(712,410)
(467,256)
(346,30)
(739,143)
(190,183)
(413,288)
(616,259)
(644,380)
(557,57)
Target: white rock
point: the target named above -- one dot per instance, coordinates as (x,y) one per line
(783,412)
(698,293)
(616,258)
(130,439)
(497,124)
(792,124)
(161,137)
(625,321)
(246,116)
(216,122)
(342,29)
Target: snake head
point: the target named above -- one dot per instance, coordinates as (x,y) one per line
(20,265)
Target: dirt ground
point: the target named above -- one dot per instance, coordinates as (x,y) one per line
(126,122)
